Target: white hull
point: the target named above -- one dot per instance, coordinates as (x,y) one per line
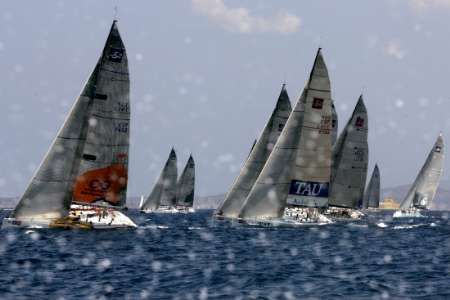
(32,223)
(101,218)
(343,213)
(286,222)
(408,213)
(170,210)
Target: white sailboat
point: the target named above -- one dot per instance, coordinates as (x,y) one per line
(292,188)
(261,150)
(349,169)
(163,195)
(422,192)
(87,164)
(186,188)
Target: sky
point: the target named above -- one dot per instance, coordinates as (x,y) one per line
(205,76)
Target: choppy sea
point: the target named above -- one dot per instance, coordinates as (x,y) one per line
(190,256)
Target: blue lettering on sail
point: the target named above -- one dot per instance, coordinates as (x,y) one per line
(309,188)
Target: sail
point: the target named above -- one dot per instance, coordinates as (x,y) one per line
(372,194)
(423,190)
(186,185)
(334,124)
(298,169)
(103,171)
(48,195)
(350,158)
(235,198)
(164,191)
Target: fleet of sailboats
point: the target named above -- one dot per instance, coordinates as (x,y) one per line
(170,194)
(299,170)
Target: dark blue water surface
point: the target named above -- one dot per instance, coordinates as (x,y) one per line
(177,256)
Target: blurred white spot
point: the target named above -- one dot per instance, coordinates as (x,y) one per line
(394,49)
(188,40)
(103,264)
(139,56)
(1,46)
(399,103)
(18,68)
(387,259)
(203,293)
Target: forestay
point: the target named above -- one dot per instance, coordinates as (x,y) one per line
(235,198)
(350,158)
(298,169)
(423,190)
(186,185)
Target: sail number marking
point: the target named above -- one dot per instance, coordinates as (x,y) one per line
(121,127)
(325,125)
(115,55)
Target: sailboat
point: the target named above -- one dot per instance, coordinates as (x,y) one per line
(372,194)
(186,188)
(235,198)
(349,169)
(163,196)
(87,163)
(292,188)
(422,192)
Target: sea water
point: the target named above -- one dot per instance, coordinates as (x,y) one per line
(191,256)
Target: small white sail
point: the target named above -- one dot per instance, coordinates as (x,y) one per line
(235,198)
(186,185)
(423,190)
(350,158)
(372,194)
(298,169)
(164,191)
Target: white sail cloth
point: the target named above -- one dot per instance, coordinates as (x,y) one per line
(423,190)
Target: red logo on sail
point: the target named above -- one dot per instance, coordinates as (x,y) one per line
(101,184)
(359,122)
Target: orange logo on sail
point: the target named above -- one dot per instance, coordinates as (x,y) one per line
(101,184)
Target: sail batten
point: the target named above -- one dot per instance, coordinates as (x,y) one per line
(423,190)
(234,200)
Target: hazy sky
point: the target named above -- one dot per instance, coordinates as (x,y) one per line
(205,75)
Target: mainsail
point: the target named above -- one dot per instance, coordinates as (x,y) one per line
(235,198)
(334,124)
(297,171)
(164,191)
(103,171)
(186,185)
(350,157)
(372,194)
(52,188)
(423,190)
